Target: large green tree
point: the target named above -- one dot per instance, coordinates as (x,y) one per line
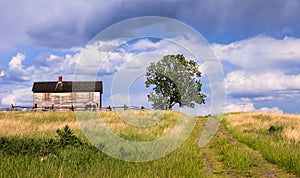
(175,80)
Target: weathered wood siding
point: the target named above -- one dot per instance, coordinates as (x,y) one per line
(66,100)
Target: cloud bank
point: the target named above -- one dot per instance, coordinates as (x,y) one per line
(255,86)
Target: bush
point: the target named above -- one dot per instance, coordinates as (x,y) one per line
(39,147)
(67,137)
(274,129)
(16,146)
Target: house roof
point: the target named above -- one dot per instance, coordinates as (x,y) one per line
(67,86)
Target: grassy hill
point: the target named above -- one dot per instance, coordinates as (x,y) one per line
(247,144)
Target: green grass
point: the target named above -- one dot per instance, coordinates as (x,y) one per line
(21,157)
(284,154)
(85,160)
(273,148)
(234,157)
(31,146)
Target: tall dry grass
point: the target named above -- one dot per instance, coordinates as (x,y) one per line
(275,136)
(28,123)
(136,125)
(146,125)
(261,122)
(141,122)
(86,161)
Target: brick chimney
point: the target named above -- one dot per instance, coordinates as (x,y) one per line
(59,83)
(60,79)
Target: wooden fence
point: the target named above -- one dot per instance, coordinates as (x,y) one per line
(72,108)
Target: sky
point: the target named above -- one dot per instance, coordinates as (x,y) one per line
(257,43)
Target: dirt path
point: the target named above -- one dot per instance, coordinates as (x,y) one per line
(216,168)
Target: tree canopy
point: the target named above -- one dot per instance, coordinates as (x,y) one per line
(175,80)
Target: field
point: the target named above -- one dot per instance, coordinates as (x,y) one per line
(51,144)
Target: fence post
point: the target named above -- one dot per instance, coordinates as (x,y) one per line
(13,107)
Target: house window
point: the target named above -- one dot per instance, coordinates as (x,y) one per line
(47,97)
(91,96)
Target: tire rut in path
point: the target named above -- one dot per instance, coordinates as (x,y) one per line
(261,168)
(254,155)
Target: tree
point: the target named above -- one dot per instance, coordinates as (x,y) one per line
(175,80)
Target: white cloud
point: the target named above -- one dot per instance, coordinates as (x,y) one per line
(89,60)
(270,110)
(239,107)
(144,44)
(264,98)
(2,73)
(243,82)
(16,61)
(16,71)
(267,70)
(17,79)
(108,57)
(100,57)
(245,105)
(260,52)
(21,96)
(10,99)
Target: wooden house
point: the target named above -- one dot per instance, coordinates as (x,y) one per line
(67,95)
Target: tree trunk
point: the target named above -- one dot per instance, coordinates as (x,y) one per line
(170,106)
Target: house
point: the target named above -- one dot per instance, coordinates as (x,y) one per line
(67,95)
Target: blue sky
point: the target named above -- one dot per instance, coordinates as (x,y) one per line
(256,41)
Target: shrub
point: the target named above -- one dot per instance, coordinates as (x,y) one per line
(274,129)
(39,147)
(67,137)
